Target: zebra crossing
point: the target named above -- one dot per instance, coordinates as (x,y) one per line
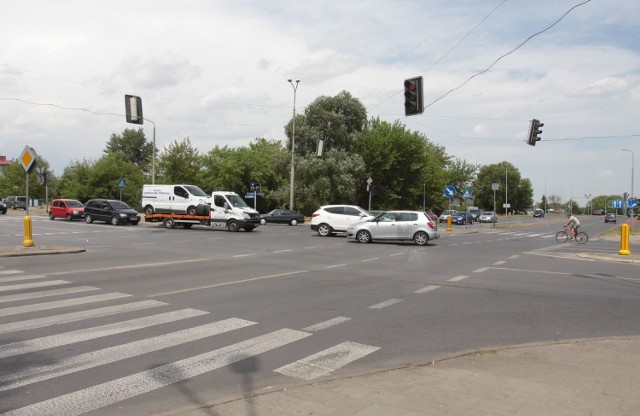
(23,294)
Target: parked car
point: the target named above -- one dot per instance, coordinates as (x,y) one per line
(445,214)
(70,209)
(538,213)
(16,202)
(3,207)
(395,225)
(331,219)
(475,213)
(282,216)
(431,215)
(610,217)
(462,218)
(111,211)
(488,216)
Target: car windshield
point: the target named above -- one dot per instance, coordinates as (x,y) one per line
(487,213)
(119,205)
(236,201)
(74,204)
(195,190)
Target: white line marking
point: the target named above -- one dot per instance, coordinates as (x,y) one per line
(78,316)
(118,352)
(33,285)
(52,341)
(19,278)
(371,259)
(36,307)
(11,272)
(46,293)
(326,324)
(385,304)
(457,278)
(499,263)
(480,270)
(335,265)
(534,235)
(126,267)
(244,255)
(515,256)
(426,289)
(92,398)
(396,254)
(327,361)
(281,251)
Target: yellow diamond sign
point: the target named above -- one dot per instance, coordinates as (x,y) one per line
(28,158)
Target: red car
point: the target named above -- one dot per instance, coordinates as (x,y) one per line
(70,209)
(431,215)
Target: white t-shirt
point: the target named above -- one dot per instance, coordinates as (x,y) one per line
(575,221)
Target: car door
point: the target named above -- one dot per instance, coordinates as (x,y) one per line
(385,227)
(407,224)
(351,216)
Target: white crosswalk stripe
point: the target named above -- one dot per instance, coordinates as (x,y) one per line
(119,387)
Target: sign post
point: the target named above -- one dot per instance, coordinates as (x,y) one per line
(28,162)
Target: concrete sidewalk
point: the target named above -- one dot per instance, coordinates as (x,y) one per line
(585,377)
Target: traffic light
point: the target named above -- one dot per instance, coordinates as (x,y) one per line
(413,96)
(133,108)
(534,131)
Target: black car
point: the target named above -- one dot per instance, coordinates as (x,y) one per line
(3,208)
(282,216)
(610,217)
(111,211)
(538,213)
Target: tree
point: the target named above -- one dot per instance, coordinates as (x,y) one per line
(180,163)
(133,147)
(514,190)
(74,182)
(461,174)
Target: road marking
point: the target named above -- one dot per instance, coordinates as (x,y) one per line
(244,255)
(534,235)
(52,341)
(235,282)
(126,267)
(335,265)
(3,272)
(457,278)
(118,352)
(327,361)
(78,316)
(515,256)
(46,293)
(385,303)
(481,270)
(281,251)
(92,398)
(37,307)
(326,324)
(22,286)
(396,254)
(426,289)
(22,277)
(371,259)
(499,263)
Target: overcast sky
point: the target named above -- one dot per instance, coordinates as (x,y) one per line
(216,72)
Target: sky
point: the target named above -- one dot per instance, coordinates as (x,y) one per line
(216,72)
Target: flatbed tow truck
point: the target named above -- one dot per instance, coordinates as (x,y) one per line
(186,221)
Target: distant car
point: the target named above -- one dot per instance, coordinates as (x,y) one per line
(330,219)
(488,216)
(610,217)
(431,215)
(462,218)
(538,213)
(475,213)
(16,202)
(282,216)
(598,212)
(111,211)
(445,214)
(395,225)
(70,209)
(3,208)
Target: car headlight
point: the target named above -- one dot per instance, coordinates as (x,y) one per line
(246,216)
(75,212)
(123,215)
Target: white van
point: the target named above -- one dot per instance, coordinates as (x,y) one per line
(173,199)
(229,210)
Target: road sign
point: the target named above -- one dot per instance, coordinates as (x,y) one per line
(121,183)
(632,203)
(466,194)
(616,203)
(506,205)
(28,159)
(449,191)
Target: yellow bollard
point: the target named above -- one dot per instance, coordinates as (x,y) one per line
(624,240)
(449,227)
(28,239)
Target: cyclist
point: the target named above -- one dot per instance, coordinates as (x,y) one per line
(573,224)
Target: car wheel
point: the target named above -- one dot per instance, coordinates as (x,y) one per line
(324,230)
(192,211)
(51,217)
(148,210)
(88,219)
(363,236)
(233,226)
(263,221)
(421,238)
(114,220)
(294,222)
(69,217)
(169,223)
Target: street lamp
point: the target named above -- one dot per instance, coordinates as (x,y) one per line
(293,141)
(632,163)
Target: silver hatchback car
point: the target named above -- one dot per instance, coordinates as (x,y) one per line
(395,225)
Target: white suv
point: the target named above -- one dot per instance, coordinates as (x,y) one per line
(330,219)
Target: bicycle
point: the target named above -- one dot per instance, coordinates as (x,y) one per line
(564,235)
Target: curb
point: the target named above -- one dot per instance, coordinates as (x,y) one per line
(20,251)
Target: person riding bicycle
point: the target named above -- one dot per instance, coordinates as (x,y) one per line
(573,224)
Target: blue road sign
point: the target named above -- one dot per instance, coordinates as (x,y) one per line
(616,203)
(632,203)
(121,183)
(449,191)
(466,194)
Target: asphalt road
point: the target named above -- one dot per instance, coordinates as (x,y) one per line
(149,319)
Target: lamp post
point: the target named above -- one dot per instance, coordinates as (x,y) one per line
(632,163)
(293,141)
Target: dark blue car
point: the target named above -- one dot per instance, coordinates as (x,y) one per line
(462,218)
